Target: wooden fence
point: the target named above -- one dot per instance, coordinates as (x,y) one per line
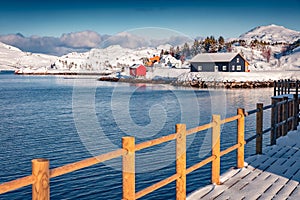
(41,174)
(286,86)
(284,91)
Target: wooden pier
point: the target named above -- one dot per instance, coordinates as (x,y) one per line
(273,175)
(285,118)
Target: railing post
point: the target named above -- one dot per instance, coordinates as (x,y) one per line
(297,97)
(128,168)
(279,118)
(279,86)
(289,86)
(295,120)
(282,85)
(216,138)
(274,121)
(181,161)
(275,87)
(41,185)
(240,138)
(285,86)
(290,114)
(285,116)
(259,128)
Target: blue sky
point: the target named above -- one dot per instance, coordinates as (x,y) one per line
(229,18)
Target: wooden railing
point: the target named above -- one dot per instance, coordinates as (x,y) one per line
(41,174)
(286,86)
(284,118)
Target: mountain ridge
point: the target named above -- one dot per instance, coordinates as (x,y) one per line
(84,41)
(272,34)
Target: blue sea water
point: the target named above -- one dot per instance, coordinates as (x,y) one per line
(66,120)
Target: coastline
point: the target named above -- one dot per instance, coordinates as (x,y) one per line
(259,79)
(205,84)
(198,84)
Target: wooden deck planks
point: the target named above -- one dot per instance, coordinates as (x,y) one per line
(273,175)
(286,190)
(295,194)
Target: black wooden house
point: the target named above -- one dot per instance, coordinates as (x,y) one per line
(219,62)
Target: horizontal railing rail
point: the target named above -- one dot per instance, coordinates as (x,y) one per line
(285,117)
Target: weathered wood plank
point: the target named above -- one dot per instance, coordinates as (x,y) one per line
(258,186)
(296,193)
(217,190)
(275,188)
(286,191)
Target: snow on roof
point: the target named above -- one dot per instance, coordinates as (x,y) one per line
(214,57)
(135,66)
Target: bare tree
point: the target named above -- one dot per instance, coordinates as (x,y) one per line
(266,53)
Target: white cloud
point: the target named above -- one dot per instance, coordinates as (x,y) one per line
(126,40)
(79,41)
(84,39)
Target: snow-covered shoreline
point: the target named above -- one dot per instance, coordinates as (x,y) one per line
(182,77)
(283,62)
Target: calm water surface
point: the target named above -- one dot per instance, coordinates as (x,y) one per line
(67,120)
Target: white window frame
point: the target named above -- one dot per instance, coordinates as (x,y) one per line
(238,67)
(224,68)
(199,68)
(233,68)
(216,68)
(238,60)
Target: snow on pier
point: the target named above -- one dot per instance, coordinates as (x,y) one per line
(273,175)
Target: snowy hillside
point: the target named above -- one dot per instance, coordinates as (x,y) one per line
(271,34)
(259,63)
(115,57)
(13,58)
(112,57)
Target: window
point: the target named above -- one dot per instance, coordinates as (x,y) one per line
(238,67)
(224,68)
(216,68)
(238,60)
(199,68)
(232,68)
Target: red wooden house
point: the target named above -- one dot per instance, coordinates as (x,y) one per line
(137,70)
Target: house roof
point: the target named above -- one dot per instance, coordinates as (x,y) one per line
(135,66)
(214,57)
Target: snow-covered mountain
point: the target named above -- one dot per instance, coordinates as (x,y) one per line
(13,58)
(272,34)
(114,57)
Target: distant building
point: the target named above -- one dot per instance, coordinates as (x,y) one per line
(137,70)
(219,62)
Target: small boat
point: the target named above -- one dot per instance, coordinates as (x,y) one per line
(109,78)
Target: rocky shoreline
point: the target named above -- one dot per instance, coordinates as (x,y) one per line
(149,81)
(199,83)
(227,84)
